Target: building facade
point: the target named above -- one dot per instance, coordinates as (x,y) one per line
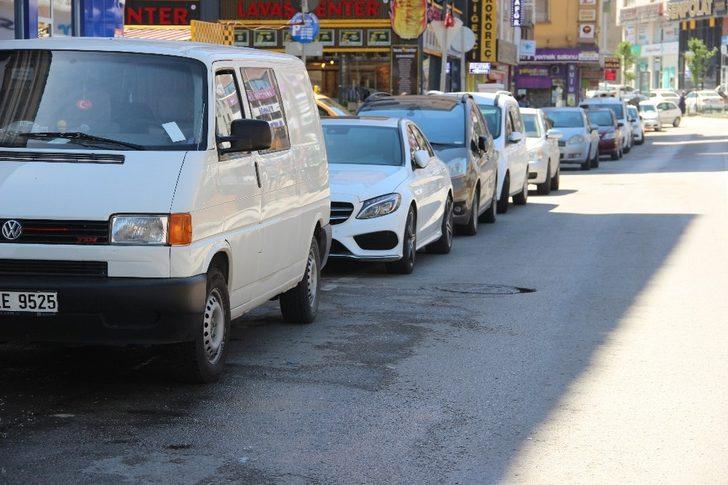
(27,19)
(566,60)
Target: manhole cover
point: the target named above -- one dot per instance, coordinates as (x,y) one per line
(480,289)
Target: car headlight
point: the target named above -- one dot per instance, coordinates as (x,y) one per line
(152,230)
(609,135)
(576,139)
(379,206)
(457,167)
(537,154)
(142,230)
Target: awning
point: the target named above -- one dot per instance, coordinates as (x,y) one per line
(176,33)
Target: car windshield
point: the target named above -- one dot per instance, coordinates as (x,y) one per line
(601,118)
(566,119)
(359,144)
(492,115)
(106,100)
(617,108)
(647,108)
(334,106)
(441,126)
(530,123)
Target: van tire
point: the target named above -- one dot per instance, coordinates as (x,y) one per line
(197,363)
(409,247)
(545,187)
(471,228)
(300,304)
(444,244)
(521,198)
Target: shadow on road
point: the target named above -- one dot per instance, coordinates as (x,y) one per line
(466,410)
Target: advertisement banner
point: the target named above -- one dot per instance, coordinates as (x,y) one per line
(285,9)
(587,15)
(586,32)
(489,31)
(404,69)
(160,12)
(409,18)
(516,13)
(528,50)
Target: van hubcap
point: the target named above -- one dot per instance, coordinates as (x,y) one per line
(213,328)
(312,278)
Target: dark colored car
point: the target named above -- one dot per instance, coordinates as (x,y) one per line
(457,131)
(610,134)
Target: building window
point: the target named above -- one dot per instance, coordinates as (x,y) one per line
(542,11)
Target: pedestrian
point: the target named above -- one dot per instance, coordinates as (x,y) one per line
(523,101)
(681,102)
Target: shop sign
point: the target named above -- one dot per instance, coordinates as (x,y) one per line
(587,15)
(479,67)
(612,62)
(161,12)
(489,31)
(566,55)
(405,67)
(689,9)
(670,32)
(587,2)
(610,74)
(629,33)
(507,52)
(665,49)
(473,21)
(351,38)
(586,32)
(528,50)
(516,13)
(379,37)
(409,18)
(627,14)
(285,9)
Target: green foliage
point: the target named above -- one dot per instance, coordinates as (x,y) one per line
(698,58)
(628,58)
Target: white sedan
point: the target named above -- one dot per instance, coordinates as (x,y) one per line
(544,166)
(702,101)
(390,194)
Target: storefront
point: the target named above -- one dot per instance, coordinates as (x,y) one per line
(25,19)
(558,77)
(705,20)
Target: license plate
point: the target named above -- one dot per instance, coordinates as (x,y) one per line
(28,301)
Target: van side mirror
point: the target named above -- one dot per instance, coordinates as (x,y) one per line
(594,127)
(620,124)
(515,137)
(422,158)
(247,135)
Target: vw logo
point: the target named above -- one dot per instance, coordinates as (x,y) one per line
(12,230)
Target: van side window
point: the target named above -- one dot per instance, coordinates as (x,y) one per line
(266,103)
(227,104)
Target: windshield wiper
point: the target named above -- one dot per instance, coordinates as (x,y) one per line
(80,137)
(446,144)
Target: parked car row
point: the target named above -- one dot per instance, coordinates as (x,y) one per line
(199,182)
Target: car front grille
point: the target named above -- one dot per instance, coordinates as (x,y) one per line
(340,212)
(562,143)
(42,231)
(34,267)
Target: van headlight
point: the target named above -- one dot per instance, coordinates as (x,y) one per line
(139,230)
(379,206)
(576,139)
(457,167)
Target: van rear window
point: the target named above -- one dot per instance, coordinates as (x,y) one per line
(101,100)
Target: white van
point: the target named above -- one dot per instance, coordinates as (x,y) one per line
(152,191)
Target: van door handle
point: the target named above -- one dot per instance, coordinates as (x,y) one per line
(257,175)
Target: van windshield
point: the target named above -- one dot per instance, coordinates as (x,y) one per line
(101,100)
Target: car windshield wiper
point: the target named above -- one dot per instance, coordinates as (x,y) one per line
(78,136)
(446,144)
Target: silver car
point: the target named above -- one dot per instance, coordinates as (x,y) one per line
(638,131)
(580,141)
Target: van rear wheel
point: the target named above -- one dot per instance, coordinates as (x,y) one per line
(203,360)
(300,304)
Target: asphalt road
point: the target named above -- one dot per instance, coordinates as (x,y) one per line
(581,339)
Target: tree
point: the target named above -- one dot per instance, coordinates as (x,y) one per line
(625,53)
(698,58)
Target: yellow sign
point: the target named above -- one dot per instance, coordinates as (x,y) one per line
(488,31)
(689,9)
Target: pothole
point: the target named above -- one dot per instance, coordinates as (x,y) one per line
(486,290)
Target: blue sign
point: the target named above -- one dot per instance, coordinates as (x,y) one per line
(304,27)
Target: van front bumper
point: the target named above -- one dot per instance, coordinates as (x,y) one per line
(108,311)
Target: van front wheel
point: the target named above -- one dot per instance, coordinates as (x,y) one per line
(300,304)
(203,359)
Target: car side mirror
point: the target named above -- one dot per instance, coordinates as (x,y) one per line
(594,127)
(632,120)
(422,158)
(620,124)
(515,137)
(247,135)
(483,143)
(554,134)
